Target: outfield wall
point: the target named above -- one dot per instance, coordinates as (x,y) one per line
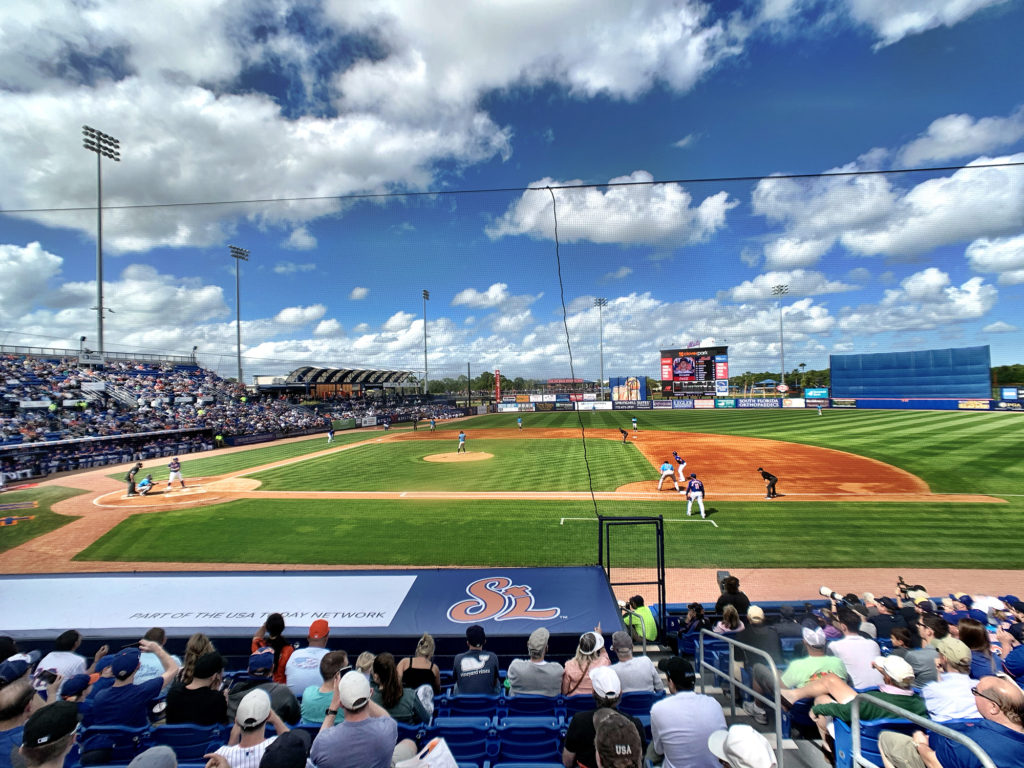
(955,373)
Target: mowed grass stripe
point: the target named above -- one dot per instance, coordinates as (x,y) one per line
(511,533)
(517,465)
(43,519)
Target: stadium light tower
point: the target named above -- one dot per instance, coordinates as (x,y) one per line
(106,146)
(601,304)
(426,298)
(239,255)
(781,290)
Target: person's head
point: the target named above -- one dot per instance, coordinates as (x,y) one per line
(155,757)
(318,633)
(787,613)
(588,648)
(261,663)
(730,584)
(16,694)
(932,627)
(332,663)
(354,691)
(537,644)
(197,645)
(607,687)
(253,710)
(76,687)
(289,750)
(636,601)
(622,644)
(694,611)
(742,747)
(125,665)
(275,625)
(999,700)
(49,733)
(731,617)
(900,637)
(616,741)
(208,667)
(895,671)
(679,671)
(886,605)
(973,634)
(849,621)
(814,640)
(156,634)
(755,614)
(954,656)
(425,646)
(67,641)
(364,664)
(475,636)
(961,601)
(385,674)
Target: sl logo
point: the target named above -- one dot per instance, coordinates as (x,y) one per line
(494,597)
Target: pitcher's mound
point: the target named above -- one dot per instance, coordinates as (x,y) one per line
(448,457)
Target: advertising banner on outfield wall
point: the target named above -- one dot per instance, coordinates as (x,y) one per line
(590,396)
(544,406)
(816,393)
(1008,405)
(974,405)
(793,402)
(508,408)
(844,402)
(684,404)
(594,405)
(632,405)
(660,405)
(722,387)
(522,398)
(725,402)
(508,398)
(703,403)
(565,406)
(536,398)
(1009,393)
(505,601)
(759,402)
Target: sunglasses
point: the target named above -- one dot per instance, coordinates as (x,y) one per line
(976,692)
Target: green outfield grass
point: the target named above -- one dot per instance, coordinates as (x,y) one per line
(44,520)
(518,465)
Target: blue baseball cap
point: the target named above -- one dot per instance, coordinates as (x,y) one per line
(104,662)
(74,685)
(262,660)
(11,670)
(125,663)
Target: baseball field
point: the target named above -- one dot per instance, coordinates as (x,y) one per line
(858,489)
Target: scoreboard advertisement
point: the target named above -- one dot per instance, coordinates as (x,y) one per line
(694,370)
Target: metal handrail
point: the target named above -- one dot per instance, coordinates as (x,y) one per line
(775,704)
(949,733)
(643,629)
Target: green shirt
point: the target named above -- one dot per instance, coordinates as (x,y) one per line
(871,711)
(650,626)
(800,671)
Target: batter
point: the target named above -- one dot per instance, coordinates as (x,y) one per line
(174,472)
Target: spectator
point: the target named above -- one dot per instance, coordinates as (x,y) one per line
(149,663)
(730,623)
(271,635)
(316,699)
(64,661)
(421,669)
(475,670)
(617,743)
(401,703)
(857,652)
(198,645)
(579,746)
(18,700)
(289,750)
(281,698)
(535,676)
(742,747)
(949,697)
(641,625)
(930,629)
(248,742)
(303,666)
(975,636)
(365,739)
(364,664)
(1000,734)
(787,625)
(590,654)
(155,757)
(797,674)
(202,701)
(731,595)
(695,620)
(887,618)
(125,703)
(760,636)
(682,723)
(106,676)
(900,639)
(1011,639)
(49,735)
(635,673)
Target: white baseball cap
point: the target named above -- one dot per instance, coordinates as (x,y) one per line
(742,747)
(606,682)
(355,690)
(254,709)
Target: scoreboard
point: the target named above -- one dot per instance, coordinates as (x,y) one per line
(693,371)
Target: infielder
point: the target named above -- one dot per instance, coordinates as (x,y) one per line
(695,492)
(462,442)
(769,483)
(670,473)
(625,435)
(330,434)
(635,427)
(174,473)
(519,422)
(682,465)
(433,423)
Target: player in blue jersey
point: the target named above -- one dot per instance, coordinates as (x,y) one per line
(668,471)
(695,492)
(682,465)
(519,422)
(462,442)
(636,428)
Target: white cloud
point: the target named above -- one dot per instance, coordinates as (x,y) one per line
(1000,327)
(1004,256)
(618,274)
(401,321)
(859,275)
(800,282)
(686,141)
(26,272)
(290,268)
(329,327)
(358,293)
(955,136)
(300,240)
(492,297)
(300,315)
(892,21)
(638,214)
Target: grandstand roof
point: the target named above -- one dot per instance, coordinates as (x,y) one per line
(308,374)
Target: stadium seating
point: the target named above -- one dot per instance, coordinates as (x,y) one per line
(468,738)
(529,738)
(525,704)
(112,744)
(189,742)
(869,732)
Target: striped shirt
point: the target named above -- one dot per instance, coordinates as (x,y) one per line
(245,757)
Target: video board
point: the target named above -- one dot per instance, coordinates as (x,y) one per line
(694,370)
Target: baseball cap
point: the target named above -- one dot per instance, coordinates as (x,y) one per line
(208,665)
(475,635)
(622,641)
(962,597)
(1016,632)
(49,723)
(814,637)
(888,603)
(742,747)
(1014,664)
(104,662)
(155,757)
(606,682)
(678,669)
(75,684)
(896,668)
(319,629)
(1011,599)
(354,689)
(955,651)
(538,640)
(1016,605)
(616,740)
(868,597)
(925,604)
(254,709)
(11,670)
(262,660)
(596,639)
(289,750)
(787,611)
(124,663)
(693,474)
(755,613)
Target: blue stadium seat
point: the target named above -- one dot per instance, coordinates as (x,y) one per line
(553,764)
(112,744)
(639,703)
(189,742)
(407,731)
(525,704)
(869,732)
(578,703)
(469,738)
(529,738)
(470,705)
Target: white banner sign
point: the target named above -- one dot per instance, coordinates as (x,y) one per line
(94,386)
(33,403)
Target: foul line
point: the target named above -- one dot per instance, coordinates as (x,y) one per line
(562,520)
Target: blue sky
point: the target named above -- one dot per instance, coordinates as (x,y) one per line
(312,104)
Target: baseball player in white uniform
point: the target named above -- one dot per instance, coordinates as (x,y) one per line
(695,492)
(682,465)
(174,473)
(669,472)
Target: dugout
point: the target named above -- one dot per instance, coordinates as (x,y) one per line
(932,374)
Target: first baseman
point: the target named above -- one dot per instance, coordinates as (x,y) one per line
(695,492)
(669,472)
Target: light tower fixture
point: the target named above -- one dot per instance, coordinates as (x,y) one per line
(239,255)
(426,298)
(104,145)
(601,303)
(781,290)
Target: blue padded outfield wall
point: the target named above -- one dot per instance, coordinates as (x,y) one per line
(929,373)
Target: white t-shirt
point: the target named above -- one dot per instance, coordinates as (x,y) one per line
(857,654)
(303,669)
(65,663)
(680,726)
